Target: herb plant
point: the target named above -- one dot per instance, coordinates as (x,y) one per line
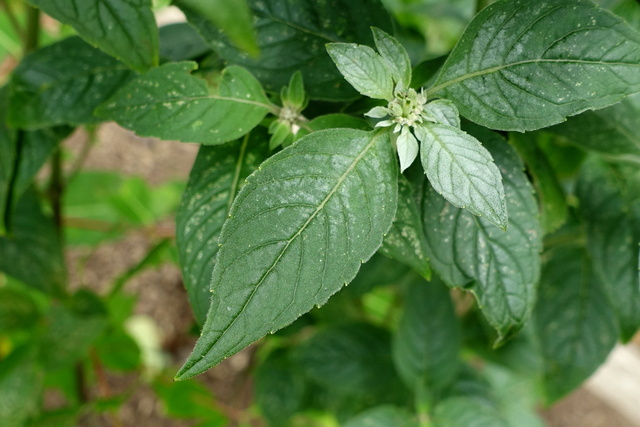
(414,234)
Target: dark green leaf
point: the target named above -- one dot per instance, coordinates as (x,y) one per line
(405,240)
(18,310)
(189,399)
(378,271)
(427,341)
(20,388)
(216,177)
(292,35)
(62,84)
(233,17)
(118,351)
(500,268)
(467,412)
(462,171)
(383,416)
(125,29)
(280,388)
(613,235)
(169,103)
(297,232)
(575,323)
(332,121)
(8,159)
(181,42)
(612,132)
(32,252)
(525,64)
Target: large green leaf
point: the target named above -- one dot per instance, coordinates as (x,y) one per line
(575,323)
(405,241)
(613,235)
(500,267)
(613,132)
(297,232)
(462,171)
(526,64)
(383,416)
(32,252)
(62,84)
(427,341)
(292,35)
(169,103)
(217,175)
(125,29)
(467,412)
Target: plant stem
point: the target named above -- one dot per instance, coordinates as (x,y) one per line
(32,35)
(12,18)
(56,188)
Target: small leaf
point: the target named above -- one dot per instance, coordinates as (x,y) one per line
(125,29)
(218,173)
(442,111)
(500,268)
(467,412)
(363,68)
(383,416)
(462,171)
(181,42)
(405,241)
(394,55)
(298,231)
(575,323)
(427,340)
(407,146)
(522,65)
(169,103)
(292,35)
(62,84)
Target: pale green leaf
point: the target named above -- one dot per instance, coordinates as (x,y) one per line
(500,267)
(427,340)
(467,412)
(363,68)
(297,232)
(218,173)
(169,103)
(62,84)
(462,171)
(292,35)
(405,241)
(383,416)
(407,146)
(21,383)
(442,111)
(125,29)
(575,323)
(394,55)
(526,64)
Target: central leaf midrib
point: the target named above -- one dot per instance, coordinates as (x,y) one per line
(437,88)
(331,193)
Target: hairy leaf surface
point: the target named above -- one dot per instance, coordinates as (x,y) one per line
(169,103)
(526,64)
(125,29)
(292,35)
(62,84)
(297,232)
(500,267)
(395,56)
(574,320)
(613,235)
(462,171)
(218,173)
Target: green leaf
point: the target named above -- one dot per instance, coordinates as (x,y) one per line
(118,351)
(405,241)
(613,234)
(169,103)
(32,252)
(377,272)
(181,42)
(297,232)
(280,387)
(524,64)
(383,416)
(575,323)
(20,388)
(332,121)
(62,84)
(612,132)
(125,29)
(8,160)
(18,310)
(553,204)
(442,111)
(233,17)
(467,412)
(363,68)
(189,399)
(292,35)
(218,173)
(462,171)
(394,55)
(427,340)
(500,268)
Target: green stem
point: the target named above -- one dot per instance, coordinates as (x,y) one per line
(56,188)
(32,35)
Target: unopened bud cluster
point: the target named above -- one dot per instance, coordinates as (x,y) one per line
(406,109)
